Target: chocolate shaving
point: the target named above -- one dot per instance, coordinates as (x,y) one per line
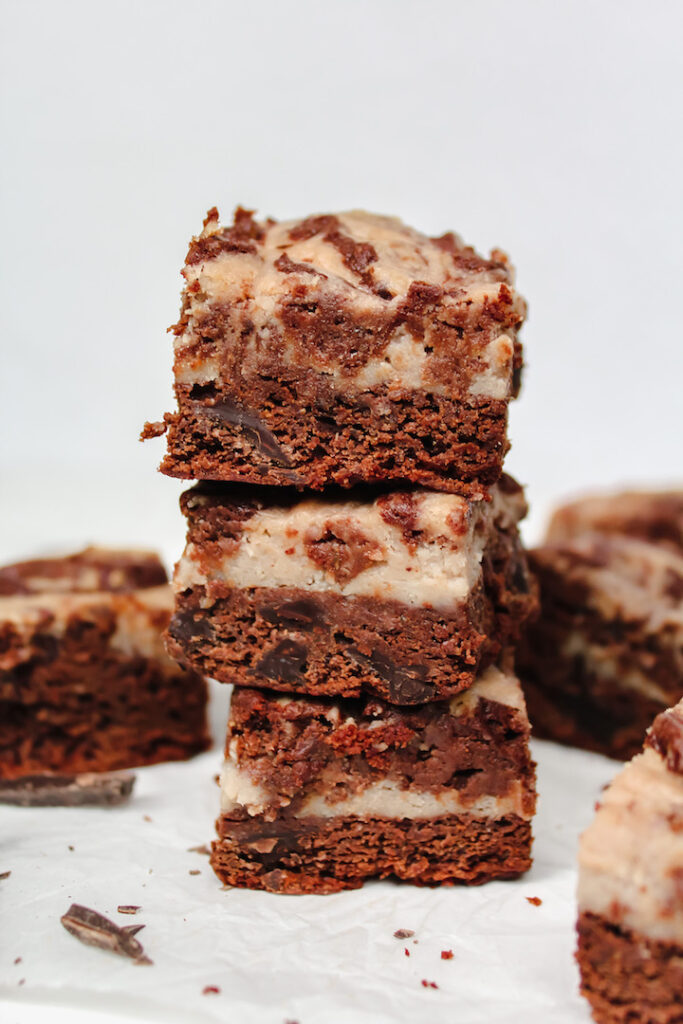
(4,875)
(127,908)
(203,849)
(94,929)
(404,933)
(89,789)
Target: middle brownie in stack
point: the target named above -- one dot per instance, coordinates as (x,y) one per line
(350,350)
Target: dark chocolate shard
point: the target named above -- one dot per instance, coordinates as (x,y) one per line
(88,789)
(230,411)
(286,661)
(4,875)
(404,933)
(405,683)
(303,614)
(127,908)
(93,929)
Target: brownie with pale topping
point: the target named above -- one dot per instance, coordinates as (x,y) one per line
(605,654)
(405,595)
(85,682)
(319,795)
(341,349)
(630,892)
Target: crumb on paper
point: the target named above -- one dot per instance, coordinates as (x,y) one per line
(534,900)
(211,990)
(17,959)
(428,984)
(127,908)
(21,981)
(403,933)
(406,951)
(71,848)
(146,817)
(194,871)
(446,954)
(4,875)
(203,849)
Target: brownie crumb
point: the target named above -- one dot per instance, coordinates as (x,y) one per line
(203,849)
(406,951)
(71,848)
(194,871)
(403,933)
(428,984)
(21,981)
(211,990)
(4,875)
(17,960)
(446,954)
(535,900)
(127,908)
(146,817)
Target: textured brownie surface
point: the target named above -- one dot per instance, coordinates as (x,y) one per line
(403,594)
(606,652)
(85,682)
(630,890)
(318,795)
(655,516)
(339,349)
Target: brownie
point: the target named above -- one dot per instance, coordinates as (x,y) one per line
(655,516)
(605,654)
(341,349)
(85,682)
(320,795)
(630,893)
(405,595)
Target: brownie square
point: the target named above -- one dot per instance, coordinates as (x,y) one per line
(630,925)
(341,349)
(321,795)
(405,595)
(85,682)
(606,652)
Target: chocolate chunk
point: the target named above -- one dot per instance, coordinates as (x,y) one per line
(186,629)
(341,549)
(88,789)
(303,614)
(287,661)
(230,411)
(93,929)
(405,682)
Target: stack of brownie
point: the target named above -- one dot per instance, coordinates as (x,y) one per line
(353,563)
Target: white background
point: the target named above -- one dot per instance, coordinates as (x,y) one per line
(550,129)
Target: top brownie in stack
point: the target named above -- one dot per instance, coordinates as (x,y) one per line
(340,350)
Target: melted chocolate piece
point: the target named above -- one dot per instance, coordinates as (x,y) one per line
(406,683)
(229,411)
(287,661)
(185,628)
(303,614)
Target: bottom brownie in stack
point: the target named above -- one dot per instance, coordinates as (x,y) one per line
(85,682)
(630,925)
(320,795)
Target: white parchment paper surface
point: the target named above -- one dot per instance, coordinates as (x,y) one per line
(309,959)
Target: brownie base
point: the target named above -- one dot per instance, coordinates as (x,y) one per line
(297,432)
(327,855)
(77,705)
(626,977)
